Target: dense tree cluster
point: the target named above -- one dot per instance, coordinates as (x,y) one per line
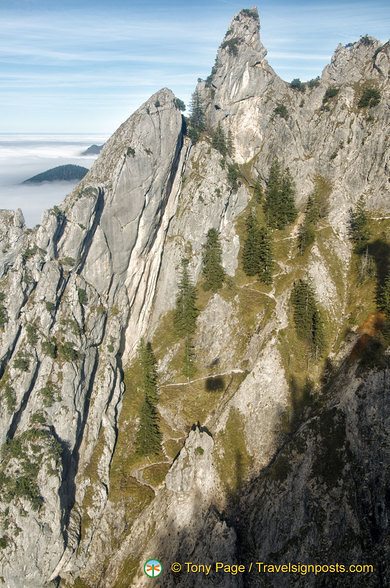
(296,84)
(148,439)
(213,271)
(358,229)
(258,192)
(307,317)
(370,97)
(279,204)
(257,255)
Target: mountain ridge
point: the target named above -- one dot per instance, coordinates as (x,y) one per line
(266,446)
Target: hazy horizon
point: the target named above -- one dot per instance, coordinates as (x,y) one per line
(23,155)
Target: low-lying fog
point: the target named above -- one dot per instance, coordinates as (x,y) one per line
(24,156)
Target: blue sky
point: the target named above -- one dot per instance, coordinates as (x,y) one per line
(85,66)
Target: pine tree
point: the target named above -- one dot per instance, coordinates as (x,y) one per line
(197,112)
(250,249)
(306,236)
(258,192)
(213,271)
(312,210)
(279,204)
(189,368)
(288,212)
(219,141)
(383,300)
(185,317)
(359,232)
(149,374)
(229,143)
(257,255)
(316,208)
(307,317)
(148,438)
(265,255)
(186,312)
(272,193)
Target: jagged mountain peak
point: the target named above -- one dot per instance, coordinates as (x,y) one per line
(243,30)
(133,134)
(366,58)
(240,48)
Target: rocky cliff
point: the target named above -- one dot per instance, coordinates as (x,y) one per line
(268,453)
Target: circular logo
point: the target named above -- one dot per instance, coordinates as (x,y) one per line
(153,568)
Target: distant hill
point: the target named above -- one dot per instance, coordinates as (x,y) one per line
(93,150)
(62,173)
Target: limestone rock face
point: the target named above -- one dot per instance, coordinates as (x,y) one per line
(69,290)
(334,139)
(267,451)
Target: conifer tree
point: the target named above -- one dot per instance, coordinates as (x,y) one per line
(250,249)
(265,255)
(197,112)
(288,212)
(258,192)
(279,204)
(318,334)
(306,233)
(272,197)
(148,365)
(213,271)
(257,255)
(306,236)
(219,141)
(383,299)
(316,208)
(189,368)
(229,143)
(186,312)
(307,317)
(148,438)
(359,232)
(185,316)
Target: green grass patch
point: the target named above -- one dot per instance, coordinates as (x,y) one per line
(192,402)
(173,447)
(155,474)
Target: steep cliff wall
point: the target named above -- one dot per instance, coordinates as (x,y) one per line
(267,451)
